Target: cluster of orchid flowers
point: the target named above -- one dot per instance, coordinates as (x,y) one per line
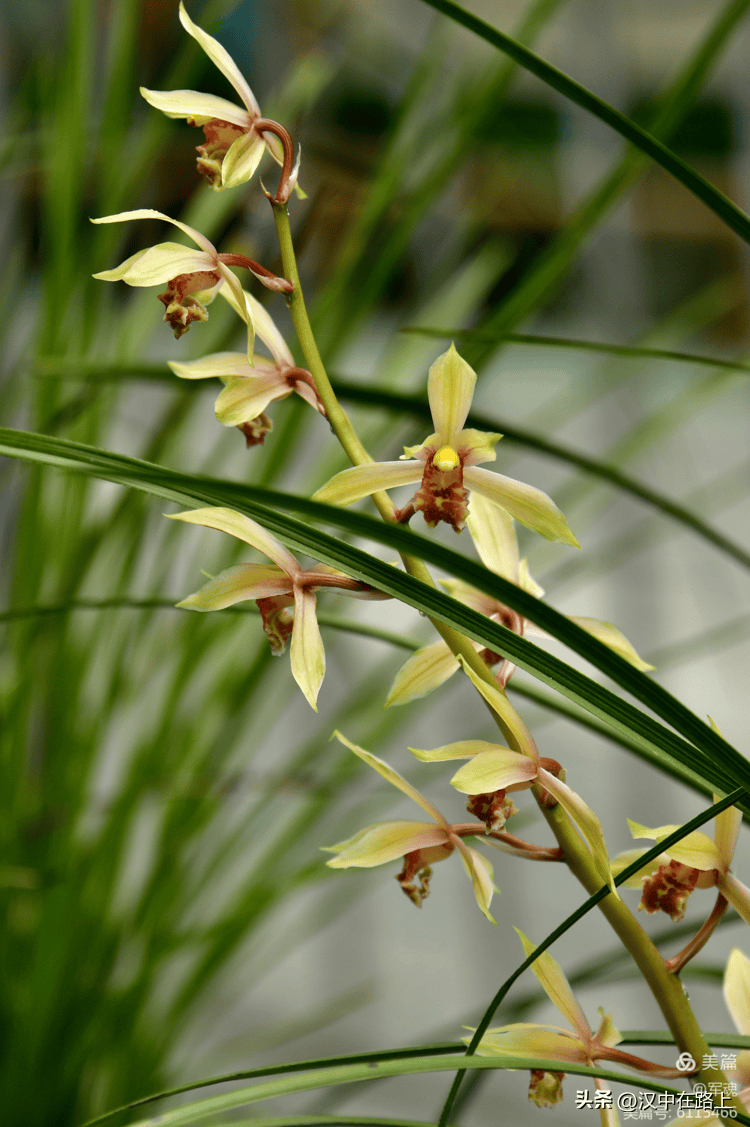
(451,488)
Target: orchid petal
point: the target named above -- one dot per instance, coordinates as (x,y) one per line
(245,397)
(242,159)
(450,388)
(527,583)
(557,988)
(608,634)
(196,108)
(268,332)
(226,520)
(424,671)
(494,770)
(735,892)
(607,1034)
(532,1041)
(477,446)
(491,529)
(462,749)
(627,857)
(737,990)
(470,596)
(360,481)
(695,849)
(218,365)
(480,871)
(239,300)
(247,581)
(383,842)
(155,265)
(149,213)
(306,651)
(726,831)
(528,505)
(586,820)
(498,701)
(394,778)
(221,58)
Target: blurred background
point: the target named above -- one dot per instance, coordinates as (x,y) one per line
(166,913)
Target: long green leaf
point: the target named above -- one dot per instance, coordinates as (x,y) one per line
(721,205)
(708,754)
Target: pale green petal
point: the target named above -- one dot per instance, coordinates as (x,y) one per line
(498,701)
(476,446)
(494,770)
(226,520)
(607,1034)
(450,388)
(156,265)
(695,849)
(480,872)
(360,481)
(494,537)
(462,749)
(737,895)
(246,581)
(221,59)
(612,637)
(424,671)
(394,778)
(527,583)
(532,1041)
(586,820)
(149,213)
(266,329)
(242,159)
(384,841)
(306,650)
(218,365)
(528,505)
(239,300)
(726,831)
(557,988)
(627,857)
(195,107)
(737,990)
(245,397)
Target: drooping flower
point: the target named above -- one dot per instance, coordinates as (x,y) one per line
(193,277)
(693,862)
(446,465)
(493,532)
(420,844)
(555,1043)
(235,136)
(283,591)
(250,385)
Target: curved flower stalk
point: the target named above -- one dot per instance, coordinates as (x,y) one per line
(493,532)
(446,465)
(193,277)
(236,137)
(552,1042)
(693,862)
(419,843)
(283,591)
(251,384)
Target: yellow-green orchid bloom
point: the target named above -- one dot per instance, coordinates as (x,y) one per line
(446,465)
(693,862)
(493,532)
(194,277)
(235,137)
(283,591)
(419,843)
(552,1042)
(251,384)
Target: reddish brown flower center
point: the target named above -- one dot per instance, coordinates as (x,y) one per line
(278,622)
(668,888)
(182,306)
(414,878)
(255,430)
(493,809)
(220,136)
(442,496)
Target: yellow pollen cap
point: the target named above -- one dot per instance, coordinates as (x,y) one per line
(446,458)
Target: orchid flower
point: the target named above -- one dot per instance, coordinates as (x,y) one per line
(194,277)
(494,770)
(693,862)
(446,465)
(252,383)
(236,137)
(554,1043)
(277,588)
(419,843)
(493,532)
